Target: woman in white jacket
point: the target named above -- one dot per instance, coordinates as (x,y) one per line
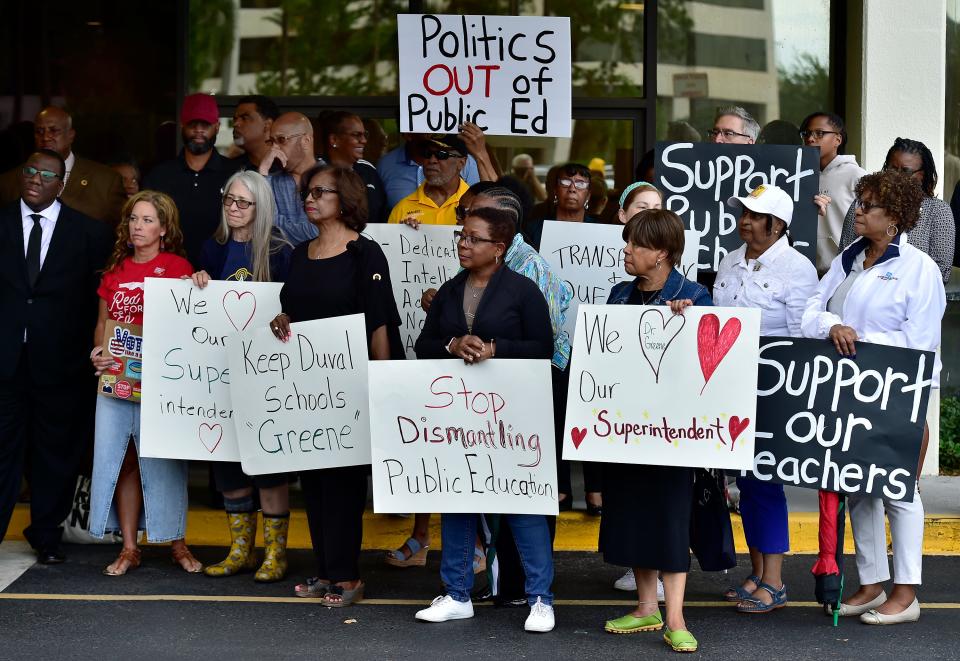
(883,290)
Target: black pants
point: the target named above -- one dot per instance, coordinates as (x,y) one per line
(335,499)
(49,427)
(592,471)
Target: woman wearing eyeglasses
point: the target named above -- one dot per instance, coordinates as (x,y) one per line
(570,201)
(343,138)
(935,231)
(336,274)
(882,289)
(483,312)
(247,246)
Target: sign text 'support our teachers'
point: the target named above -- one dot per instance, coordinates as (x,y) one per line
(510,75)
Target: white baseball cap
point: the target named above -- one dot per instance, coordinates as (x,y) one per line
(766,199)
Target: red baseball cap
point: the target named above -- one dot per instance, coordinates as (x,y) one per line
(201,107)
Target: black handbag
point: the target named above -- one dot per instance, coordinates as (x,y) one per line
(711,534)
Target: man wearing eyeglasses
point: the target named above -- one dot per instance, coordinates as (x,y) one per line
(49,258)
(195,178)
(89,187)
(734,125)
(435,200)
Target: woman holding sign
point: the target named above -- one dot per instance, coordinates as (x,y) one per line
(647,509)
(247,246)
(489,311)
(130,493)
(766,272)
(883,290)
(336,274)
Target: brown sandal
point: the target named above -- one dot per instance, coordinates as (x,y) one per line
(179,554)
(132,556)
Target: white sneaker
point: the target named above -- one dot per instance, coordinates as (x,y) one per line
(446,608)
(541,618)
(627,582)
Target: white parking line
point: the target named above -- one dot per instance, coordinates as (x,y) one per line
(15,558)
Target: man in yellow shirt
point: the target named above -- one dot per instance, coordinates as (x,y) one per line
(435,200)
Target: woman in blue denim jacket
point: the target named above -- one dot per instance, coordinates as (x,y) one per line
(646,509)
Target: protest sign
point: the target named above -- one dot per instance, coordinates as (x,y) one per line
(447,437)
(187,409)
(698,178)
(650,387)
(839,424)
(589,258)
(510,75)
(124,343)
(419,259)
(301,404)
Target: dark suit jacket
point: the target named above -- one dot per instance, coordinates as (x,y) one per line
(59,313)
(512,311)
(92,189)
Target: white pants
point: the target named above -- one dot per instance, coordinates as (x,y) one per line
(870,538)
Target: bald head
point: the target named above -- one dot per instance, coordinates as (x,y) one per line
(293,122)
(292,134)
(53,129)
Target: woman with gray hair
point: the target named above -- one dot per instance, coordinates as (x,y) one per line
(247,246)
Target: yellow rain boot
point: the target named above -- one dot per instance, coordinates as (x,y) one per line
(274,566)
(242,556)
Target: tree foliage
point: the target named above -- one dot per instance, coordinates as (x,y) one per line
(213,25)
(803,88)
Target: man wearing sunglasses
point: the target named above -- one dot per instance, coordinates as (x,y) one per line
(49,258)
(435,200)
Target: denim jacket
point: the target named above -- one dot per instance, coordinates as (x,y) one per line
(675,287)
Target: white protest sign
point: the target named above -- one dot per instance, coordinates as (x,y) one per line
(589,258)
(447,437)
(510,75)
(650,387)
(302,404)
(186,410)
(419,259)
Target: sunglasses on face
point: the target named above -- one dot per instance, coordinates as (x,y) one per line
(317,192)
(439,154)
(45,175)
(282,139)
(579,184)
(230,200)
(817,134)
(868,206)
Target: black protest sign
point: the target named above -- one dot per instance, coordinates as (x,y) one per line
(698,178)
(848,425)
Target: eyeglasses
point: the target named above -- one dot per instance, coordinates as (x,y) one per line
(470,239)
(729,134)
(439,154)
(817,134)
(317,192)
(356,135)
(282,139)
(230,200)
(45,175)
(906,171)
(867,206)
(579,184)
(461,213)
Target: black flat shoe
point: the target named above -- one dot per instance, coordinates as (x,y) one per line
(594,510)
(566,504)
(51,557)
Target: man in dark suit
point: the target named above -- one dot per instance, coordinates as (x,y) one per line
(89,187)
(50,255)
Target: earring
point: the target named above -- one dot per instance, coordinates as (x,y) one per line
(896,230)
(555,199)
(658,263)
(334,145)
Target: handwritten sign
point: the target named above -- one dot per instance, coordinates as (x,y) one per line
(589,258)
(187,410)
(124,343)
(419,259)
(698,178)
(453,438)
(650,387)
(828,422)
(302,404)
(510,75)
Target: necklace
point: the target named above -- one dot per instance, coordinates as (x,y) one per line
(646,298)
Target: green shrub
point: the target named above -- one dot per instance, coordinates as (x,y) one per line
(950,434)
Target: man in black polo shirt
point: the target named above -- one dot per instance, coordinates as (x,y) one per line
(195,178)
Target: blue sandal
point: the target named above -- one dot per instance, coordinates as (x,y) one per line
(754,605)
(416,558)
(737,593)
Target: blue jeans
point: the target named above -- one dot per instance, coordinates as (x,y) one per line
(458,533)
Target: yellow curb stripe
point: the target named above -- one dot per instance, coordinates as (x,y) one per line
(576,531)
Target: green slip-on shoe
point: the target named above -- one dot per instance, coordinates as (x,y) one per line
(680,641)
(632,624)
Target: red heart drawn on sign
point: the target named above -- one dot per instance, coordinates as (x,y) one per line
(735,427)
(713,343)
(210,436)
(578,435)
(238,307)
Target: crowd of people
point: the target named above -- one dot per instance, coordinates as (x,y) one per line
(292,208)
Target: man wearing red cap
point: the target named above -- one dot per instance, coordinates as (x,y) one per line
(195,178)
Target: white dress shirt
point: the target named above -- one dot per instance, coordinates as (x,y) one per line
(47,223)
(71,159)
(779,282)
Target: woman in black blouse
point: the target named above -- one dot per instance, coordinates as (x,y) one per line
(338,273)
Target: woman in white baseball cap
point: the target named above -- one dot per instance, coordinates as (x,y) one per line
(766,272)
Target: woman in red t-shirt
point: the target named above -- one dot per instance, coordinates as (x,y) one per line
(132,493)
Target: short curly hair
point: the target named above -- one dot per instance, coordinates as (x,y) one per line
(898,193)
